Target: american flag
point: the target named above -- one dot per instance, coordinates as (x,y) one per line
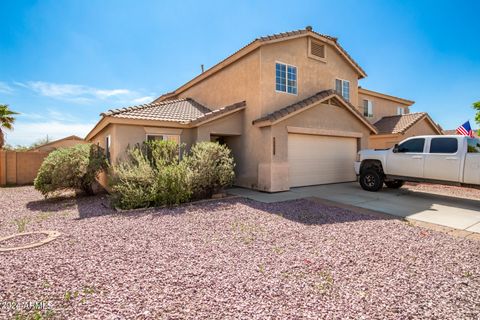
(465,129)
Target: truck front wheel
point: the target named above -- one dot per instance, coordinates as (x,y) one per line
(371,180)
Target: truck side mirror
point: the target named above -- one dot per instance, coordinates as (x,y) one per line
(395,148)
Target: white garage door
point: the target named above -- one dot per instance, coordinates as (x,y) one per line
(320,159)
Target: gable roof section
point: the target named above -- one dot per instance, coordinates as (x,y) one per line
(255,44)
(305,104)
(401,123)
(385,96)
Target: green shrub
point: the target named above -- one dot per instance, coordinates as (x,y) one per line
(151,175)
(132,181)
(173,184)
(76,167)
(211,166)
(162,153)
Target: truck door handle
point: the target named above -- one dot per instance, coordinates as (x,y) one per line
(417,157)
(452,158)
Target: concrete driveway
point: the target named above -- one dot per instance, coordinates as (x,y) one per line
(452,212)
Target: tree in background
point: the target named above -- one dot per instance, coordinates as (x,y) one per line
(476,106)
(6,121)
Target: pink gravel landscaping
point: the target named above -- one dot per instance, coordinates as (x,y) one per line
(452,191)
(229,259)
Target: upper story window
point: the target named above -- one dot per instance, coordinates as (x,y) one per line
(285,78)
(400,111)
(368,108)
(343,88)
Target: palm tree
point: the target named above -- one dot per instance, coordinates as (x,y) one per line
(6,121)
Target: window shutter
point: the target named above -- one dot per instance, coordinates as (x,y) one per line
(317,49)
(338,86)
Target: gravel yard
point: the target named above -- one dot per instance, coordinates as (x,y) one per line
(452,191)
(230,259)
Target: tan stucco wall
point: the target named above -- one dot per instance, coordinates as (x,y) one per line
(20,168)
(381,107)
(237,82)
(421,128)
(313,75)
(273,174)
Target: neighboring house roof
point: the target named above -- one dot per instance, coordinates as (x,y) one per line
(309,102)
(385,96)
(399,124)
(255,44)
(454,132)
(72,137)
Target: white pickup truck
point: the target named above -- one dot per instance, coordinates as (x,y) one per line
(453,160)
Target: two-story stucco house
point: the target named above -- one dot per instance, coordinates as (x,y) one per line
(288,105)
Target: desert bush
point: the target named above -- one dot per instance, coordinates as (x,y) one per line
(172,185)
(211,167)
(162,153)
(153,174)
(150,175)
(132,181)
(75,167)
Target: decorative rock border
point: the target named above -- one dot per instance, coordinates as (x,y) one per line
(51,235)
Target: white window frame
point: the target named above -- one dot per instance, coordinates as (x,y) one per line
(342,93)
(286,79)
(369,108)
(400,111)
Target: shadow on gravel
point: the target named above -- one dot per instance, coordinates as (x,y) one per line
(302,211)
(311,212)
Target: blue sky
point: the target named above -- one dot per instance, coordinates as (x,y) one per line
(64,62)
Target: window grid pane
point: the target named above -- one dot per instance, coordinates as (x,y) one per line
(292,80)
(346,90)
(281,77)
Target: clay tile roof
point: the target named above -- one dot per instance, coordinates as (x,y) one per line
(319,96)
(180,110)
(217,112)
(398,124)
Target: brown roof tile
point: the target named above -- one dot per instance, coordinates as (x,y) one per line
(180,110)
(398,124)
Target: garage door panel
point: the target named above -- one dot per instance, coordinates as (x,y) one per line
(320,159)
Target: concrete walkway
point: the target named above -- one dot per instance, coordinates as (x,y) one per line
(452,212)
